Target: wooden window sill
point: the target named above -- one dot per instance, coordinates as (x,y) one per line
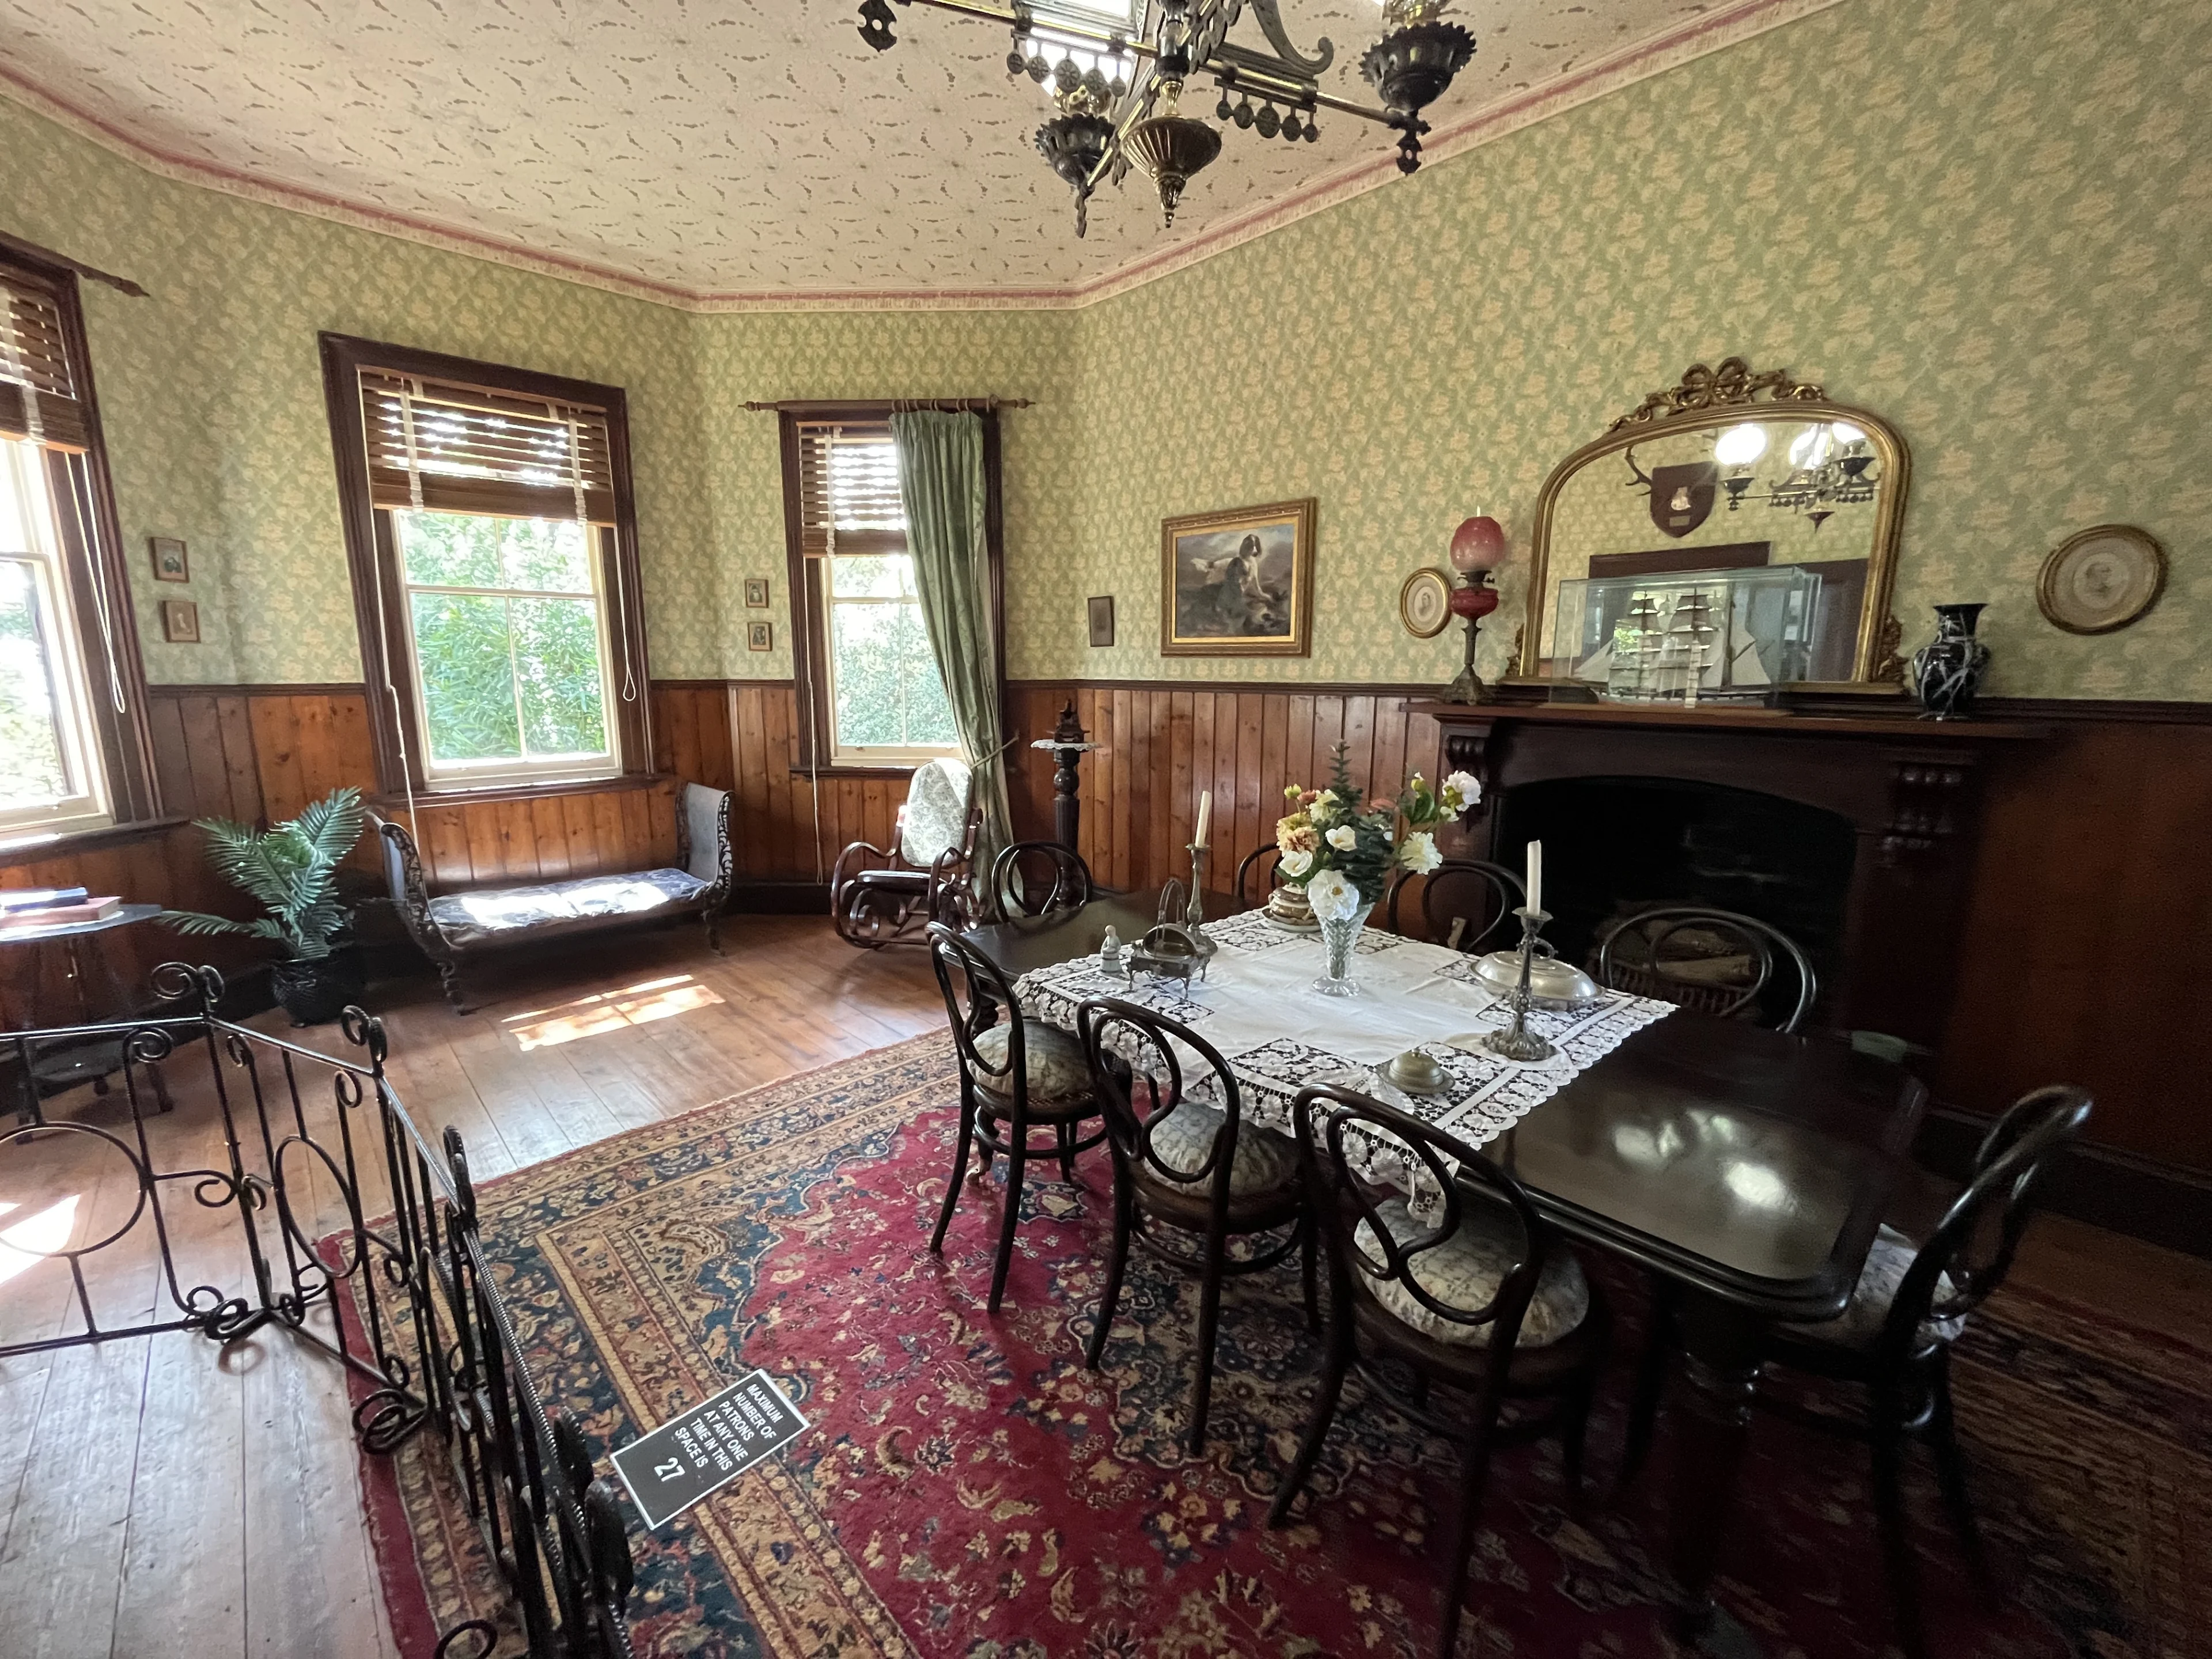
(492,794)
(88,841)
(902,771)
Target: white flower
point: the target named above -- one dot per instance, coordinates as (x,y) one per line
(1459,791)
(1332,896)
(1327,797)
(1297,864)
(1344,838)
(1420,853)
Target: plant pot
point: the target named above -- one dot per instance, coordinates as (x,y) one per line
(315,991)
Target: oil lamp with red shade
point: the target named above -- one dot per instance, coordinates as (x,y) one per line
(1478,548)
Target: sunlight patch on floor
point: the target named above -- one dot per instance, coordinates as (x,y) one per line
(31,1241)
(607,1011)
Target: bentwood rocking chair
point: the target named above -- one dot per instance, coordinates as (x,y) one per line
(879,896)
(1184,1158)
(1017,1076)
(1479,1304)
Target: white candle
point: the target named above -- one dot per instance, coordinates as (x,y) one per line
(1205,818)
(1536,875)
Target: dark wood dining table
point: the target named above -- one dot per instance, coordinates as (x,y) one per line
(1746,1169)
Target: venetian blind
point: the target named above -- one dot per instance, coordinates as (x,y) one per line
(455,449)
(849,488)
(38,396)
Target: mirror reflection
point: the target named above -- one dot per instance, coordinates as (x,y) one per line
(1718,554)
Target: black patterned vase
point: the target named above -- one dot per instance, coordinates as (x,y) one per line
(1947,671)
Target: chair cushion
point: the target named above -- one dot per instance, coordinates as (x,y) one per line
(1880,1280)
(703,820)
(898,881)
(1184,1140)
(1465,1271)
(500,915)
(1053,1059)
(937,798)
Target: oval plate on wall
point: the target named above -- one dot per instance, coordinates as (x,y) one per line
(1424,602)
(2101,580)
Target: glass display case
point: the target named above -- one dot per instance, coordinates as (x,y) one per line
(1691,636)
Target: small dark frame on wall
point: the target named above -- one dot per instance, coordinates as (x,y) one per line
(756,593)
(1101,619)
(171,563)
(760,636)
(181,622)
(1239,583)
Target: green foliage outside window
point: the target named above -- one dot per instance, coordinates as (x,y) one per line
(889,692)
(510,671)
(31,766)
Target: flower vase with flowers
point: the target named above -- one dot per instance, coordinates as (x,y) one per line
(1339,848)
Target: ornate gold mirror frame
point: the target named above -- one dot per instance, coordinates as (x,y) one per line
(1710,399)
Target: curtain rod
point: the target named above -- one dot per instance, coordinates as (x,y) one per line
(33,251)
(897,405)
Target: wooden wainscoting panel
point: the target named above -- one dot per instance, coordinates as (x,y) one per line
(2083,952)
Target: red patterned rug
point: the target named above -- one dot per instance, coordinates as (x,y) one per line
(969,1491)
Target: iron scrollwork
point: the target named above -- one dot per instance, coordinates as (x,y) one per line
(405,1303)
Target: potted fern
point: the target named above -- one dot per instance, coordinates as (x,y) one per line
(292,869)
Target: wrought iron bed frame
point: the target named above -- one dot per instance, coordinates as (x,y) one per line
(427,1333)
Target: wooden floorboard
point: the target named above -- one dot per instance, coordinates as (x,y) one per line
(162,1495)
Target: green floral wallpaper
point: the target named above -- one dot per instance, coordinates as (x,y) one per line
(211,396)
(1989,219)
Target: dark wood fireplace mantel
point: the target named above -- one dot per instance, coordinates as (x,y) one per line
(1907,786)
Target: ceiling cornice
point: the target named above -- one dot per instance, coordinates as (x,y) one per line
(1724,26)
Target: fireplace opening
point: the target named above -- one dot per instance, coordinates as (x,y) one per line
(1616,846)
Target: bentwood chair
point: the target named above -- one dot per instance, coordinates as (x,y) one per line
(880,896)
(1480,1303)
(1893,1342)
(1463,901)
(1259,872)
(1039,878)
(1188,1164)
(1713,962)
(1017,1076)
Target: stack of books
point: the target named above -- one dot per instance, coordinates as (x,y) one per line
(52,907)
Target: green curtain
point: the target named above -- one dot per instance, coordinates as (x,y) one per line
(940,460)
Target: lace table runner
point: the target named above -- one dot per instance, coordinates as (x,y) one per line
(1257,1006)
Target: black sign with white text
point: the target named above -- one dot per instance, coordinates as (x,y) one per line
(704,1449)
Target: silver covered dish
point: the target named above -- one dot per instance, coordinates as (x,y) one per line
(1552,984)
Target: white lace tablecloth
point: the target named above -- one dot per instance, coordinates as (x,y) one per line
(1257,1006)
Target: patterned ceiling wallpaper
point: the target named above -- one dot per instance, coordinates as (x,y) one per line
(1989,221)
(748,146)
(2001,247)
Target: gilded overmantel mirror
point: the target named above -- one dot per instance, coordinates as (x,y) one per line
(1728,538)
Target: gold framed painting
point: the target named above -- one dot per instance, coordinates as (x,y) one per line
(1239,583)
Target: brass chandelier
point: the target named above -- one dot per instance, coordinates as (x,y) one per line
(1116,70)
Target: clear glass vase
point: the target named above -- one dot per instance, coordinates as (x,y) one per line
(1340,939)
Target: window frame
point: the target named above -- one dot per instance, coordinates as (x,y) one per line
(105,643)
(395,718)
(807,581)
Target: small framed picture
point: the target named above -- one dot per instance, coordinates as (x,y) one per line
(1102,620)
(181,622)
(760,636)
(170,564)
(756,593)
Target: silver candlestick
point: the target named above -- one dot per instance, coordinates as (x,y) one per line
(1516,1041)
(1194,916)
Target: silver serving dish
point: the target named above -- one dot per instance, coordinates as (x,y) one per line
(1552,984)
(1170,951)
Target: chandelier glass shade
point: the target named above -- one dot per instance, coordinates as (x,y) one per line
(1115,70)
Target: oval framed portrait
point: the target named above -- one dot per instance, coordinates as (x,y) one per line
(1425,603)
(2101,580)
